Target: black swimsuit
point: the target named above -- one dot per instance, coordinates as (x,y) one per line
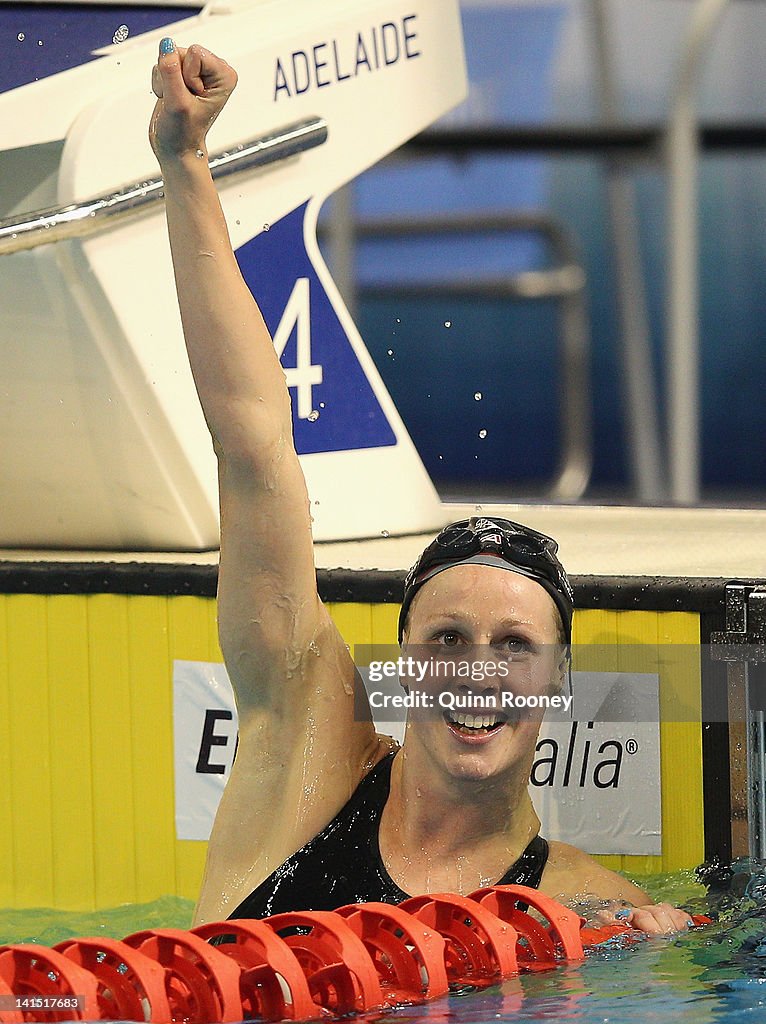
(342,864)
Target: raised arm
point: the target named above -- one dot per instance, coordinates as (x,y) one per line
(267,597)
(300,746)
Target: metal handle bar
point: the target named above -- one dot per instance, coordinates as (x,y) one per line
(92,215)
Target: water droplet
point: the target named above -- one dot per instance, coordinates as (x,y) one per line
(478,508)
(317,501)
(390,352)
(266,227)
(121,34)
(441,458)
(482,434)
(477,396)
(385,533)
(313,416)
(237,221)
(20,37)
(398,320)
(321,405)
(448,323)
(39,42)
(199,154)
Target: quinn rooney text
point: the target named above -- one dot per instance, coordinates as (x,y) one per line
(469,701)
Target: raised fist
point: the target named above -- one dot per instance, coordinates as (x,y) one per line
(192,86)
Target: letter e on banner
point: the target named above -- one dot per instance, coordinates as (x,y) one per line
(204,743)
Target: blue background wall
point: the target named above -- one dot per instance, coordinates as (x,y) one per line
(531,63)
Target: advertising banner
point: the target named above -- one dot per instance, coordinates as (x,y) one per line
(595,779)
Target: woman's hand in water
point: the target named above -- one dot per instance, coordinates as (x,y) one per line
(652,918)
(192,86)
(655,919)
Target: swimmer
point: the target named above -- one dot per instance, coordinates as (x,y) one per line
(320,811)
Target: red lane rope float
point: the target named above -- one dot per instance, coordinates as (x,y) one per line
(301,966)
(32,970)
(408,956)
(272,984)
(131,986)
(592,936)
(340,972)
(202,985)
(539,943)
(480,948)
(8,1015)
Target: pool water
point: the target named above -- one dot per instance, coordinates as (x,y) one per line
(713,974)
(51,926)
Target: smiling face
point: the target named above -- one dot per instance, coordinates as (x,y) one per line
(473,613)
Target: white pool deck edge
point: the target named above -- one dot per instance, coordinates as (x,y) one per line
(594,541)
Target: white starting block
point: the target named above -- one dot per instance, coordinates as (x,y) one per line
(103,442)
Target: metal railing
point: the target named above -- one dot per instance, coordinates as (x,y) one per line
(677,143)
(79,220)
(682,340)
(564,282)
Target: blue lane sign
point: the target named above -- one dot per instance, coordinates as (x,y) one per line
(334,405)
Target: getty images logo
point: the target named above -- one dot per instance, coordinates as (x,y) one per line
(579,762)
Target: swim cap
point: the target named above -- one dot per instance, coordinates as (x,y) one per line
(484,540)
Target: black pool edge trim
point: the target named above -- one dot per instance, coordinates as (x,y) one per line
(716,762)
(649,593)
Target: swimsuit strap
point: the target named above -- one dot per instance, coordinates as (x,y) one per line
(528,869)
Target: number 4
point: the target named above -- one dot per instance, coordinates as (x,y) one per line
(303,375)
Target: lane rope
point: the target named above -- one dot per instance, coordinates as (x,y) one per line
(312,965)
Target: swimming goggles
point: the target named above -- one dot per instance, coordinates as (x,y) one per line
(524,550)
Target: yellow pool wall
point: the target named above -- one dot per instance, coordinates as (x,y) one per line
(86,739)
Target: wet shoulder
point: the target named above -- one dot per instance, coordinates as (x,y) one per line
(571,874)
